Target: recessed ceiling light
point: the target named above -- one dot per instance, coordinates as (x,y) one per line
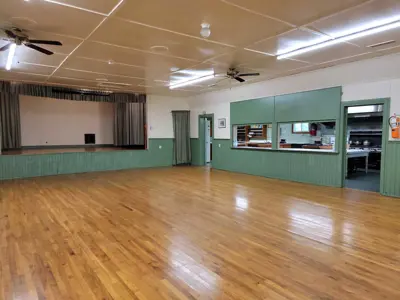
(159,49)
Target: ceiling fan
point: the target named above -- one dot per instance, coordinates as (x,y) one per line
(235,74)
(19,37)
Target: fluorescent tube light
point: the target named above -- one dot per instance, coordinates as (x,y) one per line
(341,40)
(191,81)
(11,52)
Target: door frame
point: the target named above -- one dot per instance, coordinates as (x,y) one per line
(202,141)
(385,134)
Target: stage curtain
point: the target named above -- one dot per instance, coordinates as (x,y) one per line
(182,151)
(129,124)
(10,123)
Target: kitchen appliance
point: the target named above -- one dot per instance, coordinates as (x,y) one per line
(367,143)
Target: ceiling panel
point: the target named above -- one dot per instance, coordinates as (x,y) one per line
(249,60)
(129,56)
(27,55)
(97,66)
(288,41)
(144,38)
(102,6)
(335,52)
(14,76)
(50,17)
(178,16)
(297,12)
(371,14)
(99,78)
(29,68)
(75,82)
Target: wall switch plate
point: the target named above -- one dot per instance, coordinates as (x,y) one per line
(219,145)
(159,147)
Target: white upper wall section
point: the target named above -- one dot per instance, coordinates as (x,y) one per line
(368,79)
(159,115)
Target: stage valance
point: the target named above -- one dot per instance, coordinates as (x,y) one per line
(70,94)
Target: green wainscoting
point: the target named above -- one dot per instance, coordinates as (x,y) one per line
(315,105)
(23,166)
(315,168)
(391,183)
(253,111)
(197,159)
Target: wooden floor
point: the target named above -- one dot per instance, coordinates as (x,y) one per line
(191,233)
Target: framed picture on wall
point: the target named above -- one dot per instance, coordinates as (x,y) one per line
(222,123)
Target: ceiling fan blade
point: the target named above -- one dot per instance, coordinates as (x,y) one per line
(249,74)
(43,42)
(239,79)
(10,33)
(4,48)
(37,48)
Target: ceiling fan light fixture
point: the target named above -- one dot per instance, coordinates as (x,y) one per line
(11,53)
(341,39)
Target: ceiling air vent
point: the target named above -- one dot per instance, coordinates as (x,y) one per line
(381,44)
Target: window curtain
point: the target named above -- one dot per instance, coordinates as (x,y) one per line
(10,124)
(182,151)
(129,124)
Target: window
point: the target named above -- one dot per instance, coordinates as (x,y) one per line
(307,136)
(300,128)
(252,135)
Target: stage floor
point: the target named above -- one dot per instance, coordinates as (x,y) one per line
(61,150)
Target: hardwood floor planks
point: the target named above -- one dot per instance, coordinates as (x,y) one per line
(192,233)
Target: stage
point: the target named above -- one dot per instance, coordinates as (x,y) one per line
(64,150)
(61,150)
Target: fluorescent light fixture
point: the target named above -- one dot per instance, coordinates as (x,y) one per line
(11,53)
(191,81)
(341,40)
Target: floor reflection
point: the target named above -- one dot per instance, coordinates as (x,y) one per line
(189,270)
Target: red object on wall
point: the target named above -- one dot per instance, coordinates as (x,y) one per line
(313,129)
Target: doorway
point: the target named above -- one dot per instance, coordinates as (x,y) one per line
(365,134)
(206,123)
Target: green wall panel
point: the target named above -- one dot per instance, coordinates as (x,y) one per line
(391,175)
(196,152)
(315,168)
(253,111)
(307,106)
(23,166)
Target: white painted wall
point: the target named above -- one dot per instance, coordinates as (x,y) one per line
(159,115)
(367,79)
(47,121)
